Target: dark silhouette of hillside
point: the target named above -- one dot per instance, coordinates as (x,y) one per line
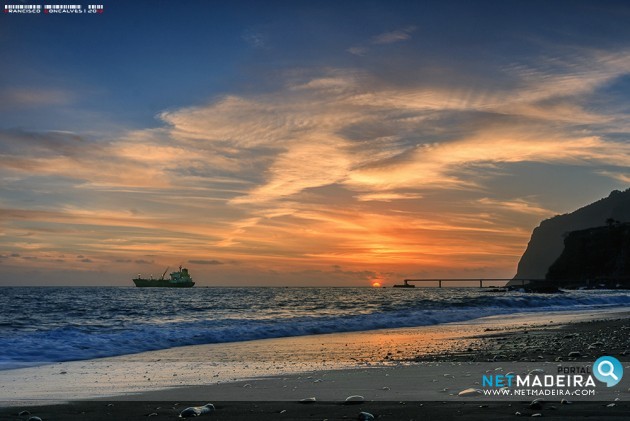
(593,257)
(547,241)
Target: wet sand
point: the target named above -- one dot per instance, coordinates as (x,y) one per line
(403,374)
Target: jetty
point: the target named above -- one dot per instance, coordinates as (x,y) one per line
(527,284)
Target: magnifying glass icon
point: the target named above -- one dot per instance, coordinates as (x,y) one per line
(607,373)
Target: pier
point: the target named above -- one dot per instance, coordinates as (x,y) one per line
(474,281)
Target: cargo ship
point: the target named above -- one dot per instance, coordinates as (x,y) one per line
(179,279)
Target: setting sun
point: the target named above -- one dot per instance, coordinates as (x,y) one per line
(376,284)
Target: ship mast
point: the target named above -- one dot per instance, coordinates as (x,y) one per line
(162,278)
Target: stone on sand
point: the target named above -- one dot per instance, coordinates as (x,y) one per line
(354,399)
(196,411)
(365,416)
(471,391)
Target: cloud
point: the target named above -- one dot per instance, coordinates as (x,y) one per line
(11,98)
(255,39)
(358,51)
(387,197)
(303,130)
(336,166)
(394,36)
(205,262)
(398,35)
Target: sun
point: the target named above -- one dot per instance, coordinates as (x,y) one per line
(376,284)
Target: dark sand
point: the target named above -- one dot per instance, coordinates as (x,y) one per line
(521,342)
(395,411)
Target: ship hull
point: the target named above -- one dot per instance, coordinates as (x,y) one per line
(161,283)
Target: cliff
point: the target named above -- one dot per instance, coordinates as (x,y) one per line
(594,256)
(547,241)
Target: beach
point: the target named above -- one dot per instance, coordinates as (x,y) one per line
(406,373)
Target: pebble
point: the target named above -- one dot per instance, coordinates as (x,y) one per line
(610,405)
(518,414)
(308,400)
(565,402)
(152,414)
(536,404)
(538,414)
(34,419)
(354,399)
(469,392)
(24,413)
(195,411)
(365,416)
(573,354)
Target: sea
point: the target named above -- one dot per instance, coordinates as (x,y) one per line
(41,325)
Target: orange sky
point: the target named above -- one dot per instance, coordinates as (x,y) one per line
(384,166)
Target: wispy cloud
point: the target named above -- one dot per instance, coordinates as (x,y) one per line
(394,36)
(337,165)
(11,98)
(205,262)
(255,39)
(358,51)
(384,38)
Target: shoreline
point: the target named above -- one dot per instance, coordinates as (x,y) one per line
(327,365)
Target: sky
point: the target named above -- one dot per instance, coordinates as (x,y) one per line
(303,143)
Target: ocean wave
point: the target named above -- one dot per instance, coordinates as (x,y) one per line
(74,340)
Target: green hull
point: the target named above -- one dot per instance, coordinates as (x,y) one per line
(161,283)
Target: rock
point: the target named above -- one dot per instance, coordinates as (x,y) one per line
(308,400)
(365,416)
(354,399)
(538,414)
(24,413)
(470,392)
(34,419)
(518,414)
(152,414)
(196,411)
(574,354)
(536,404)
(547,240)
(610,405)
